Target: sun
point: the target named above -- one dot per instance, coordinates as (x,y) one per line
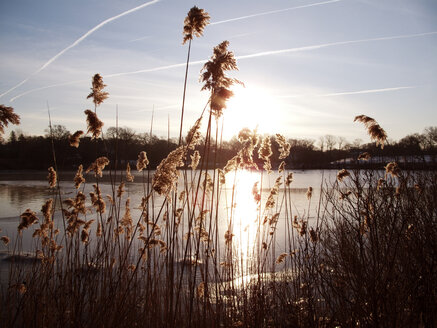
(251,107)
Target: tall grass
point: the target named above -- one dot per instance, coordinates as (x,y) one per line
(363,253)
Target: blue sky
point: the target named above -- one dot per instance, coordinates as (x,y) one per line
(309,66)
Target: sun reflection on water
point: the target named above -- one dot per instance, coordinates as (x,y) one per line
(244,219)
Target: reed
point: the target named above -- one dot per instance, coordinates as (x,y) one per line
(362,252)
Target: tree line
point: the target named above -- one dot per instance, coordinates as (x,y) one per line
(123,144)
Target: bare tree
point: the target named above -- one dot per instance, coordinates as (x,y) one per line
(330,141)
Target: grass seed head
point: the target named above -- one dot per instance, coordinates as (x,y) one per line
(142,161)
(74,138)
(7,116)
(97,93)
(52,177)
(94,124)
(194,23)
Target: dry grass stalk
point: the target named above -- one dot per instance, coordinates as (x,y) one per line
(380,183)
(270,203)
(289,179)
(74,138)
(228,237)
(142,161)
(281,167)
(195,158)
(342,174)
(47,210)
(120,190)
(28,218)
(98,166)
(194,23)
(281,258)
(364,156)
(97,92)
(284,146)
(194,136)
(375,131)
(309,192)
(244,158)
(129,176)
(78,178)
(94,124)
(256,193)
(166,174)
(7,116)
(97,200)
(213,75)
(265,152)
(5,240)
(393,169)
(52,177)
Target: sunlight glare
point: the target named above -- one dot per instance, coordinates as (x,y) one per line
(251,107)
(245,212)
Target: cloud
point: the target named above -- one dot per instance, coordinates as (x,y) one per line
(273,12)
(75,43)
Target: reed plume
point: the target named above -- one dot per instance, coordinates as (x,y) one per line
(74,138)
(97,92)
(94,124)
(375,131)
(78,178)
(364,156)
(52,177)
(281,258)
(228,237)
(393,169)
(244,158)
(256,193)
(142,161)
(98,166)
(28,218)
(120,190)
(7,116)
(264,152)
(284,146)
(195,158)
(166,174)
(47,210)
(5,240)
(289,179)
(309,192)
(270,203)
(97,200)
(129,176)
(342,174)
(194,23)
(194,136)
(215,80)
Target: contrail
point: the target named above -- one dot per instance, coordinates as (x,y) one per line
(367,91)
(75,43)
(155,69)
(142,38)
(273,12)
(346,93)
(255,55)
(148,70)
(325,45)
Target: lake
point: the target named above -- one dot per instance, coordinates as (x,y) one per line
(29,190)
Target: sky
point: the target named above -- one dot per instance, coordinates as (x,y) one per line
(309,67)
